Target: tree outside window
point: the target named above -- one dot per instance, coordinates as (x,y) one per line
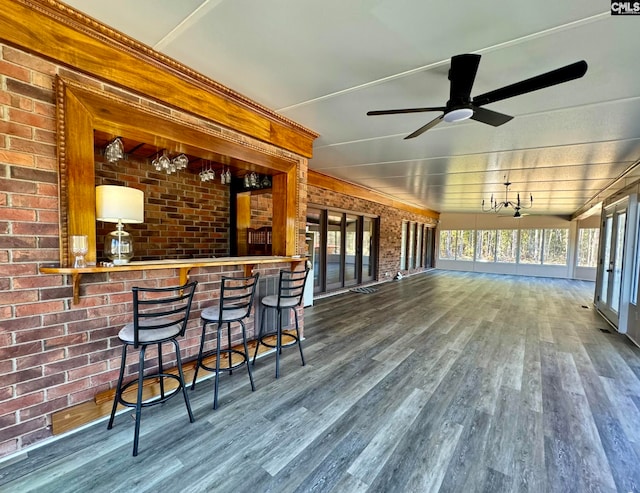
(507,246)
(530,246)
(486,246)
(588,247)
(555,246)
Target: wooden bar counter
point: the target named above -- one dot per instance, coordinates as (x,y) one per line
(183,265)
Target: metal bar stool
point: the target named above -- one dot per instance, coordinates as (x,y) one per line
(159,315)
(290,293)
(236,300)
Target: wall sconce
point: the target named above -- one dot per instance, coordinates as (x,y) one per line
(119,205)
(114,150)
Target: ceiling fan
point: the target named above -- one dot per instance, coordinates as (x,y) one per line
(460,105)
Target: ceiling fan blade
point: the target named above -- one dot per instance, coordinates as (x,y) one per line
(558,76)
(462,74)
(489,117)
(426,127)
(407,110)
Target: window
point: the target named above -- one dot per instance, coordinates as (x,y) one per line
(465,245)
(507,246)
(530,246)
(447,248)
(411,246)
(429,244)
(486,246)
(456,245)
(403,245)
(555,246)
(588,247)
(419,247)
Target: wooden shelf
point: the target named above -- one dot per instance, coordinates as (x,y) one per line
(184,266)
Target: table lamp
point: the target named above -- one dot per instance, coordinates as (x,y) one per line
(121,205)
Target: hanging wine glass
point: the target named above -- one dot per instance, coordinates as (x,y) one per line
(156,163)
(181,161)
(114,150)
(223,177)
(164,160)
(227,177)
(204,175)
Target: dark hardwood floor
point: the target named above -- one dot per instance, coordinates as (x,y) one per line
(443,381)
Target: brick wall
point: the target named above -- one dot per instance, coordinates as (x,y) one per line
(54,354)
(261,210)
(390,225)
(183,217)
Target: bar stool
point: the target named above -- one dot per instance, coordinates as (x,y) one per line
(236,300)
(159,315)
(290,292)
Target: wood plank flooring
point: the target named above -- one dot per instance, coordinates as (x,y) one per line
(440,382)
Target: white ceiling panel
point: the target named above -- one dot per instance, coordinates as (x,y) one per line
(325,64)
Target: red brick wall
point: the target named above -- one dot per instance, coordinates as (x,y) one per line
(54,354)
(390,225)
(261,210)
(183,217)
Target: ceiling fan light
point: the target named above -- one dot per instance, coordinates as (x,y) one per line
(458,115)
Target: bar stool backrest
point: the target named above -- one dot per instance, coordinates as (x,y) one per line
(236,296)
(291,287)
(159,308)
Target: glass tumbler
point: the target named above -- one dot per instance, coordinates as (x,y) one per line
(79,248)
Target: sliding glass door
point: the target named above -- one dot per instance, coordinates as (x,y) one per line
(368,249)
(345,248)
(335,251)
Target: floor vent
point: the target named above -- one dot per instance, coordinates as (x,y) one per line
(363,290)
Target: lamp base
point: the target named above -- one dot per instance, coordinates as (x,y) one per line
(118,246)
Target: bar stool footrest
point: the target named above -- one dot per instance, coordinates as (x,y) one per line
(226,368)
(153,402)
(294,340)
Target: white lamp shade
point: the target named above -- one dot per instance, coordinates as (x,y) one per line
(124,204)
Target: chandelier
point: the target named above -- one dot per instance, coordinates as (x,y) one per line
(496,205)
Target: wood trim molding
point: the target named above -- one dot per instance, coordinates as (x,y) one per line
(328,183)
(82,109)
(60,33)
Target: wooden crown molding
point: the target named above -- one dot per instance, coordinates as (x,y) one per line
(60,33)
(329,183)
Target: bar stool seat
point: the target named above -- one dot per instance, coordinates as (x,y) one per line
(290,294)
(126,334)
(236,301)
(271,301)
(160,315)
